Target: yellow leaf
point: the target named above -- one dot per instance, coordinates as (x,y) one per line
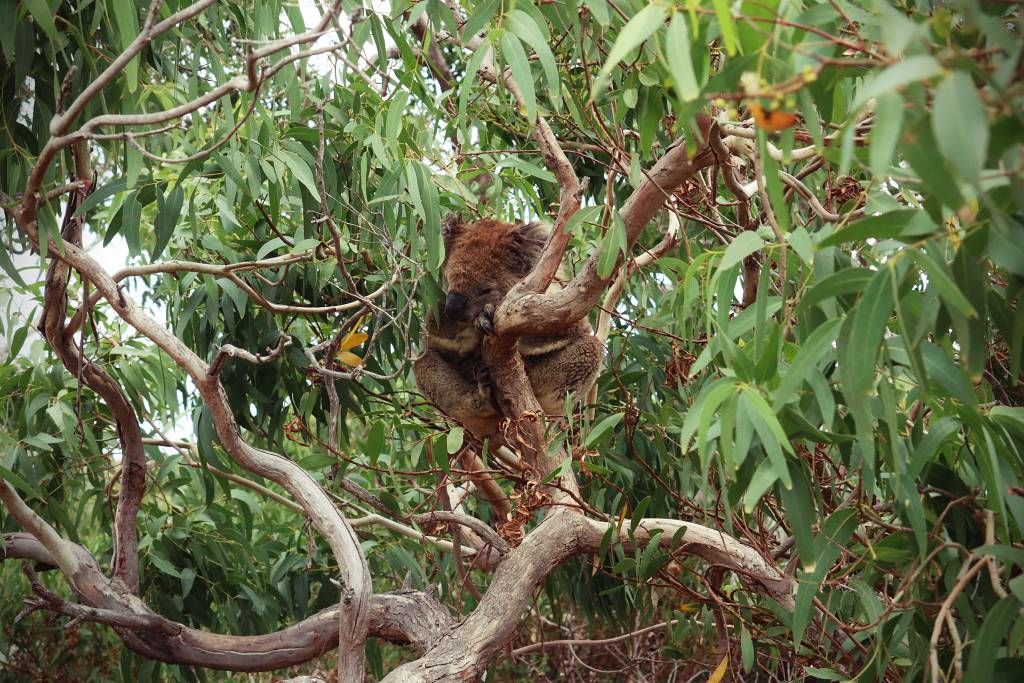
(622,515)
(349,358)
(719,672)
(352,339)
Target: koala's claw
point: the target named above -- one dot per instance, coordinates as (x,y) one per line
(485,321)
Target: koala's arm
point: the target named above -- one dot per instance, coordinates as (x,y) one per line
(571,368)
(450,389)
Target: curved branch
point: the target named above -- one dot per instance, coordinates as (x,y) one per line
(400,617)
(525,312)
(129,434)
(472,645)
(485,532)
(587,642)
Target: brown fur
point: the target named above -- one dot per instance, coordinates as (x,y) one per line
(485,259)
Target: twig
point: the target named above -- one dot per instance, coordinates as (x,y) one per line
(223,352)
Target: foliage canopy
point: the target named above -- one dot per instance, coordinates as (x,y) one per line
(816,350)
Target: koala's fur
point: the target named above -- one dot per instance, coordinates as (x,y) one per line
(484,260)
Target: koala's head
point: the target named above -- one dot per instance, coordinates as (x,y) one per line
(484,260)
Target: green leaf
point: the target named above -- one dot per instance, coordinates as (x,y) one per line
(653,558)
(168,210)
(43,15)
(857,356)
(908,224)
(708,401)
(454,441)
(131,216)
(480,18)
(984,653)
(909,501)
(943,282)
(910,70)
(726,25)
(638,515)
(612,246)
(300,169)
(921,149)
(801,515)
(515,57)
(441,454)
(115,186)
(770,432)
(745,244)
(814,348)
(431,215)
(16,481)
(938,434)
(885,132)
(846,281)
(8,266)
(603,426)
(826,674)
(961,125)
(588,214)
(126,16)
(633,34)
(393,119)
(524,26)
(680,63)
(472,69)
(764,477)
(773,183)
(268,247)
(746,650)
(801,243)
(599,8)
(17,340)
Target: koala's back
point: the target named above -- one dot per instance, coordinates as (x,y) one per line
(484,260)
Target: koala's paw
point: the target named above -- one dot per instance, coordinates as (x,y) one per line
(485,321)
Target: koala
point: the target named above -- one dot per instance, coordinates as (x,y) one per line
(484,260)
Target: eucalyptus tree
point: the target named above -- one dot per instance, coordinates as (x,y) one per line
(796,227)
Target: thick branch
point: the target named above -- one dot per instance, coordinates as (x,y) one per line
(133,464)
(524,312)
(470,648)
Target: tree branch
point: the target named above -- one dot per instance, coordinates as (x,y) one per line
(401,616)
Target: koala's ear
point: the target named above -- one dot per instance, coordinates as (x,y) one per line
(533,237)
(451,227)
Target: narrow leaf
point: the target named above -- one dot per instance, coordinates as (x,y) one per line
(601,428)
(633,34)
(524,26)
(745,244)
(910,70)
(727,26)
(515,56)
(905,223)
(961,125)
(680,63)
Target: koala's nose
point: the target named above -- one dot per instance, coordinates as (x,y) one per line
(456,307)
